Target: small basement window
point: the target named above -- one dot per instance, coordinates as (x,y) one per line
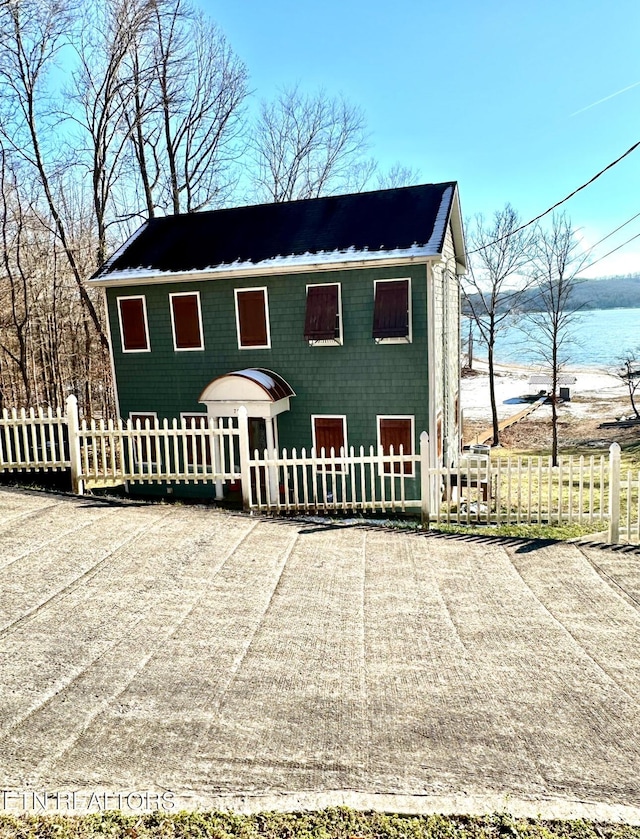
(396,431)
(323,317)
(198,445)
(145,450)
(252,319)
(186,321)
(134,329)
(392,311)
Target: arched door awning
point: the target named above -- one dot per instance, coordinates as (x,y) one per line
(262,392)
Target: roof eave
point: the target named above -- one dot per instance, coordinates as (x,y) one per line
(151,276)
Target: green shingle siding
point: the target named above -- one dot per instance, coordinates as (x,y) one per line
(360,379)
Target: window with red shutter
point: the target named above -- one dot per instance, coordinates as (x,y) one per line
(132,312)
(392,311)
(252,318)
(186,321)
(396,432)
(322,323)
(329,433)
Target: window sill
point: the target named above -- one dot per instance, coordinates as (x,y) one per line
(326,342)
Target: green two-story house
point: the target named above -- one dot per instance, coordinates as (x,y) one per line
(335,321)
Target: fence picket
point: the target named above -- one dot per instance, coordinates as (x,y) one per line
(501,490)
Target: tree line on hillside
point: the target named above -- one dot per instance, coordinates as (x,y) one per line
(115,111)
(607,293)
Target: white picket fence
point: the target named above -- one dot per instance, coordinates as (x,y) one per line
(31,440)
(477,490)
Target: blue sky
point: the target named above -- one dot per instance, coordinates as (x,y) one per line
(497,95)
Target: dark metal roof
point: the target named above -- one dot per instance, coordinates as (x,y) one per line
(385,220)
(271,383)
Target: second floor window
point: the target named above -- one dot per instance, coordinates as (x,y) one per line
(252,318)
(186,321)
(134,331)
(323,316)
(392,311)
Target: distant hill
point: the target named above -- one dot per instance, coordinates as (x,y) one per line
(621,292)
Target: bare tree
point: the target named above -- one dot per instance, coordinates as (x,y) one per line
(307,145)
(33,32)
(555,274)
(495,284)
(101,86)
(396,176)
(190,120)
(630,375)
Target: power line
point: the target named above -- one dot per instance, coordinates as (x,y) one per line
(558,203)
(600,258)
(600,241)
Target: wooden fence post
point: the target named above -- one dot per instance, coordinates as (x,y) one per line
(425,483)
(245,456)
(614,494)
(73,425)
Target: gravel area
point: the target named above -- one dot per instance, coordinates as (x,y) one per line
(222,660)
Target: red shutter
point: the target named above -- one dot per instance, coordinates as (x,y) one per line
(252,318)
(134,328)
(321,319)
(329,434)
(396,433)
(186,321)
(391,309)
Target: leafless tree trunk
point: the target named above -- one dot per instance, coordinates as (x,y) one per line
(12,244)
(101,86)
(495,285)
(189,122)
(33,32)
(555,273)
(305,145)
(630,375)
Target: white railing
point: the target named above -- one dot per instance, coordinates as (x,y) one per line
(324,482)
(477,490)
(31,440)
(522,490)
(180,451)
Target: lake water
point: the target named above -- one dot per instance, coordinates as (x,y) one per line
(601,337)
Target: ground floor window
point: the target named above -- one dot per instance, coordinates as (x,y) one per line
(198,446)
(329,432)
(145,447)
(396,432)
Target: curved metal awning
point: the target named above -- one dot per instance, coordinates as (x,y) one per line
(262,392)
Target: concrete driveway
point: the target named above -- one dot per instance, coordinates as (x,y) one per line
(181,657)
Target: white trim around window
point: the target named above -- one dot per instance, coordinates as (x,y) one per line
(342,417)
(408,339)
(195,294)
(267,345)
(408,471)
(147,348)
(328,342)
(145,437)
